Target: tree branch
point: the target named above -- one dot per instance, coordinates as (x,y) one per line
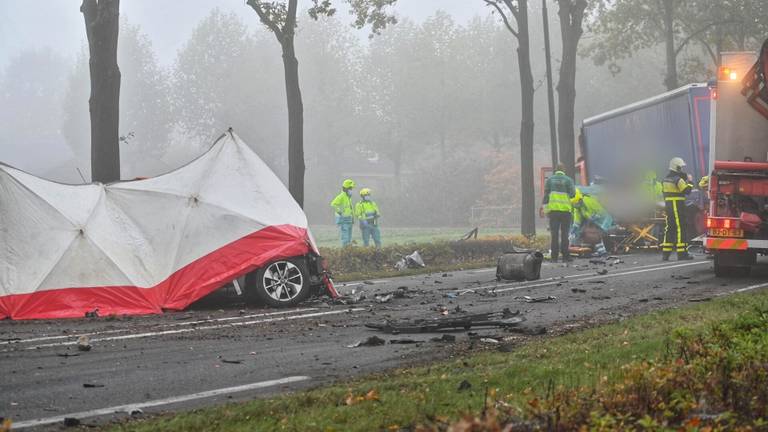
(290,19)
(512,8)
(503,16)
(256,5)
(700,31)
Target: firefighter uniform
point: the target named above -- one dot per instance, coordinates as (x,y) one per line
(675,188)
(558,192)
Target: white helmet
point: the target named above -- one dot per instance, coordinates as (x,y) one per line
(676,164)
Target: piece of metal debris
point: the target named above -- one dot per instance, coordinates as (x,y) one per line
(542,299)
(384,298)
(578,290)
(371,341)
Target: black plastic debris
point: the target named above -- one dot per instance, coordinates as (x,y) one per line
(505,318)
(403,341)
(92,385)
(71,422)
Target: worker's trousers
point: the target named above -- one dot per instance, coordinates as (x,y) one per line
(371,231)
(675,229)
(559,227)
(345,229)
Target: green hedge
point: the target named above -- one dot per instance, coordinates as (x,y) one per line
(438,256)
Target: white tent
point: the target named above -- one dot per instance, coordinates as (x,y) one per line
(140,247)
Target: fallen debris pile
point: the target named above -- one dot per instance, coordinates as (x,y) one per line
(503,319)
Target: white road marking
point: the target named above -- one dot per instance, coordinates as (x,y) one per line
(197,329)
(582,277)
(188,323)
(745,289)
(158,402)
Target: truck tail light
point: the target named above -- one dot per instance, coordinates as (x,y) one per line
(727,223)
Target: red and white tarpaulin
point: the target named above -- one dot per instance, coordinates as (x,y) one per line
(143,246)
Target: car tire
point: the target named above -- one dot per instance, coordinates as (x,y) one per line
(281,283)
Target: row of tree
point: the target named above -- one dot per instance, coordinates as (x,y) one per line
(437,100)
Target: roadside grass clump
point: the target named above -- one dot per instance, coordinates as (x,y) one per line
(713,380)
(698,368)
(354,261)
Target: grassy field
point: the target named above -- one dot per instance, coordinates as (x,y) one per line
(435,396)
(328,235)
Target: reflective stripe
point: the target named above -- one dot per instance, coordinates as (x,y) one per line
(677,223)
(674,198)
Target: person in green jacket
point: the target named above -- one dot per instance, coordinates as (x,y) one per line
(344,211)
(367,212)
(588,210)
(558,191)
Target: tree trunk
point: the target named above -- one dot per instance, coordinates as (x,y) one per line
(296,166)
(670,80)
(528,216)
(102,24)
(571,14)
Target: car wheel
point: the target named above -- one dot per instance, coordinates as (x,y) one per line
(280,283)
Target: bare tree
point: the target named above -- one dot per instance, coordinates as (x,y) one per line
(571,14)
(280,19)
(102,24)
(515,12)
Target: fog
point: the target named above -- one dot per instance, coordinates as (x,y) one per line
(427,114)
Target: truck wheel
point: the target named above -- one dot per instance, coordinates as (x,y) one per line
(733,264)
(280,283)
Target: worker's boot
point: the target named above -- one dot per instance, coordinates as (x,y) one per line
(684,256)
(665,256)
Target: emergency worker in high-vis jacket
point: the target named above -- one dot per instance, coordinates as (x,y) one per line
(345,211)
(675,187)
(367,212)
(558,191)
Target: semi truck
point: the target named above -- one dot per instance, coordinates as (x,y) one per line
(737,221)
(623,144)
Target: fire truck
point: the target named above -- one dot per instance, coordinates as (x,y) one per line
(737,220)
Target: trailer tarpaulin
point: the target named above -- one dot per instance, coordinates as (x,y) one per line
(140,247)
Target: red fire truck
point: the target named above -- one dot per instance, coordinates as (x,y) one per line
(737,223)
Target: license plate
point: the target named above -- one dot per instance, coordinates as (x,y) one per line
(726,232)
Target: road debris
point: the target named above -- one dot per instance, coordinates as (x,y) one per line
(578,290)
(71,422)
(505,318)
(67,354)
(529,299)
(84,343)
(92,385)
(413,260)
(489,340)
(602,272)
(383,298)
(223,360)
(403,341)
(371,341)
(444,338)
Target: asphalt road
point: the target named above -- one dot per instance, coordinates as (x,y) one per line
(221,351)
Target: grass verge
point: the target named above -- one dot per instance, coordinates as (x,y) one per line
(431,398)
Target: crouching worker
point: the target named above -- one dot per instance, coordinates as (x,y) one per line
(368,214)
(344,209)
(590,222)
